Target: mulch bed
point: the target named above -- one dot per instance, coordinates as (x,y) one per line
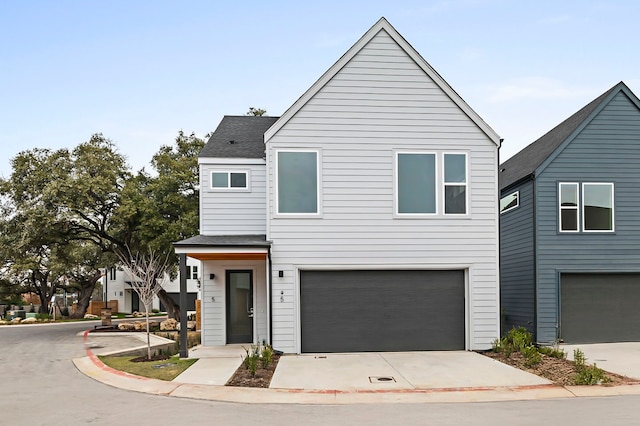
(559,371)
(262,379)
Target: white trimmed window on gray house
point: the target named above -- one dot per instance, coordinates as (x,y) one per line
(297,182)
(586,207)
(510,202)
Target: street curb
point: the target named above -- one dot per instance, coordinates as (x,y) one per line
(92,367)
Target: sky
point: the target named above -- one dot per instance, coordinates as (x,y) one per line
(139,71)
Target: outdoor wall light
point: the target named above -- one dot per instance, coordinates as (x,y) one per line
(213,298)
(212,276)
(281,274)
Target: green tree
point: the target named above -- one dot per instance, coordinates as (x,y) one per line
(259,112)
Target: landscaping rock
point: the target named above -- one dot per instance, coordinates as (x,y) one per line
(31,320)
(17,320)
(169,325)
(127,326)
(91,316)
(140,326)
(3,322)
(137,314)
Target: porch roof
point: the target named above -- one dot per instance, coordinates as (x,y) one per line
(224,247)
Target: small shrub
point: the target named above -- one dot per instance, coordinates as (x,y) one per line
(155,311)
(267,355)
(587,374)
(531,356)
(552,352)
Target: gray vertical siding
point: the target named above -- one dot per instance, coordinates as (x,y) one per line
(517,264)
(606,150)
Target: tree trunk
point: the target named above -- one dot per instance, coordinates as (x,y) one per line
(173,309)
(84,296)
(146,309)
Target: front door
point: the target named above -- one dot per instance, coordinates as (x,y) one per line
(239,306)
(135,302)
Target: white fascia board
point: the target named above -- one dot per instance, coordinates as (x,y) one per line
(222,250)
(213,161)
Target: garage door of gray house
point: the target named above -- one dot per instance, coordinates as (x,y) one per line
(597,308)
(360,311)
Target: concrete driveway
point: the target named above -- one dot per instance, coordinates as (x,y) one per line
(397,370)
(620,358)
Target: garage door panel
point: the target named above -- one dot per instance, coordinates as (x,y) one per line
(358,311)
(598,308)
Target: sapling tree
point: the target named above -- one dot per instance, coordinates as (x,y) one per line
(147,272)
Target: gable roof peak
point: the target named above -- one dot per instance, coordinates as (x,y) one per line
(530,158)
(383,24)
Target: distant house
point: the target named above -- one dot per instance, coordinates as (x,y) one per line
(363,219)
(570,229)
(117,286)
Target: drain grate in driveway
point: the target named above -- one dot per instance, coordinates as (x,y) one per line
(382,379)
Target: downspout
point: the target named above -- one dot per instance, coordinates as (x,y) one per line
(270,274)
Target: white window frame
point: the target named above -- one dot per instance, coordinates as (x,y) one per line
(276,177)
(229,188)
(517,195)
(613,209)
(465,184)
(576,208)
(396,208)
(193,272)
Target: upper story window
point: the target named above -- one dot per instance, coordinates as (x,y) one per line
(591,210)
(597,207)
(509,202)
(230,180)
(455,183)
(568,207)
(297,182)
(416,183)
(419,183)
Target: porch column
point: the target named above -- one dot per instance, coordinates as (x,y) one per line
(184,351)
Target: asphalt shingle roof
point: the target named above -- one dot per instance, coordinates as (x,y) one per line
(225,241)
(525,162)
(238,136)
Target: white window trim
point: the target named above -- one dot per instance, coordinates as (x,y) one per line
(229,188)
(613,208)
(576,208)
(517,195)
(318,185)
(396,202)
(465,184)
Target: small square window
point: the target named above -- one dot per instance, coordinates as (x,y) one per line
(509,202)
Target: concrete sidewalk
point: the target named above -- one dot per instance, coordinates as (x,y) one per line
(409,377)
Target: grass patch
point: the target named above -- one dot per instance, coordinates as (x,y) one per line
(167,369)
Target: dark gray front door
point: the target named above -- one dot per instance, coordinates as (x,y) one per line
(239,306)
(135,302)
(359,311)
(598,308)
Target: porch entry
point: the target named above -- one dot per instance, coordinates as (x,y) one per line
(239,286)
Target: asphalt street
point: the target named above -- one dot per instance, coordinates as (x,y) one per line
(39,385)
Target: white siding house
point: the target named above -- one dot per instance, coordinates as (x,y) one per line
(379,222)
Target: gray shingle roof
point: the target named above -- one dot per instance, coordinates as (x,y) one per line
(225,241)
(525,162)
(246,132)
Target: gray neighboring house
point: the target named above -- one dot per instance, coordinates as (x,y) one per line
(363,219)
(570,228)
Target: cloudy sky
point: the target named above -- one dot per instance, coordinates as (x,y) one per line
(139,71)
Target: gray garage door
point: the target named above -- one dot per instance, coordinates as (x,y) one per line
(598,308)
(359,311)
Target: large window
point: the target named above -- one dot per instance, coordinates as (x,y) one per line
(229,180)
(597,206)
(416,186)
(297,182)
(455,183)
(589,210)
(509,202)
